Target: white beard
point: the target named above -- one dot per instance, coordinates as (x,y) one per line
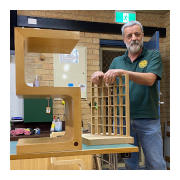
(134,46)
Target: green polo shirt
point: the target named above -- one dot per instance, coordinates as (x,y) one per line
(143,99)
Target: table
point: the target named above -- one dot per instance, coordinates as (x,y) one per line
(86,150)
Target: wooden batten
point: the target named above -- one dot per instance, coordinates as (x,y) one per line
(49,41)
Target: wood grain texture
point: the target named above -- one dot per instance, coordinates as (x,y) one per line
(104,116)
(45,163)
(75,153)
(95,139)
(49,41)
(15,165)
(71,162)
(54,163)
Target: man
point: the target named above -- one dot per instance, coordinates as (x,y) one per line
(144,68)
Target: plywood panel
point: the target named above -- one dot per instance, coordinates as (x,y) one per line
(49,41)
(45,163)
(15,164)
(95,139)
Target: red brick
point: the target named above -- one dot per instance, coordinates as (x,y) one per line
(48,77)
(118,37)
(23,12)
(93,56)
(84,18)
(47,66)
(37,13)
(79,12)
(33,66)
(62,11)
(92,35)
(96,40)
(29,71)
(105,14)
(106,36)
(89,51)
(89,62)
(95,51)
(92,46)
(96,63)
(41,71)
(85,111)
(55,15)
(98,19)
(43,83)
(91,13)
(68,16)
(94,68)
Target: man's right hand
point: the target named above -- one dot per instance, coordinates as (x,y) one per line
(95,77)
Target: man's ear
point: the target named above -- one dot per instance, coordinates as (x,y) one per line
(124,40)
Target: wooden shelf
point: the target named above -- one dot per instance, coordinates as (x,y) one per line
(49,41)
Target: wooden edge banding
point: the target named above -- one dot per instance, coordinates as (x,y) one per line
(75,153)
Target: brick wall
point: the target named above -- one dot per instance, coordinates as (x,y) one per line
(165,84)
(44,69)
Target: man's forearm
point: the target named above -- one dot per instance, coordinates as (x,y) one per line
(147,79)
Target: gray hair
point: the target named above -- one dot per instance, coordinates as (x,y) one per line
(131,23)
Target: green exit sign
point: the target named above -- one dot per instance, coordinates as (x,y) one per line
(125,16)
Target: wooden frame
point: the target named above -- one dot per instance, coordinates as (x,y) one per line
(111,133)
(49,41)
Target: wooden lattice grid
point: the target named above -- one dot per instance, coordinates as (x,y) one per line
(104,107)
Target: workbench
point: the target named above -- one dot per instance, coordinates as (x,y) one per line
(86,150)
(70,144)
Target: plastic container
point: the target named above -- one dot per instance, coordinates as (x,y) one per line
(36,82)
(58,125)
(53,125)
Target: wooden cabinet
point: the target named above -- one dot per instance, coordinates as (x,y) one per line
(45,163)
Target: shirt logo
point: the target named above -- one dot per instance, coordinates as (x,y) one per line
(143,64)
